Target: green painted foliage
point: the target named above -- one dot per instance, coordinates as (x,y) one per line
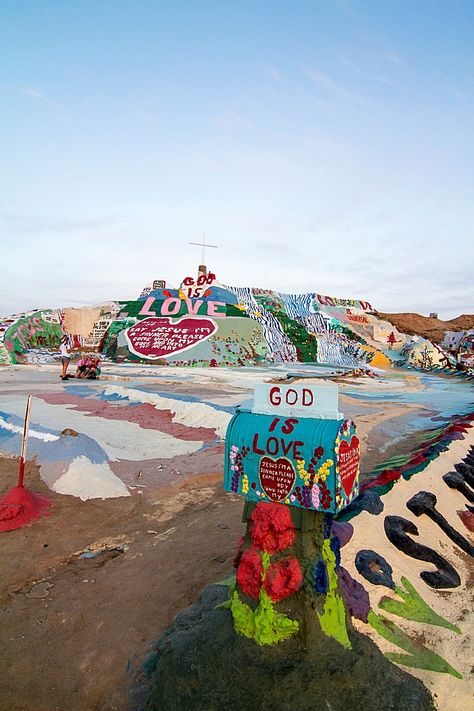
(418,656)
(333,619)
(264,624)
(414,607)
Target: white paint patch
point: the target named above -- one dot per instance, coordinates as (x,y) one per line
(87,480)
(45,436)
(191,414)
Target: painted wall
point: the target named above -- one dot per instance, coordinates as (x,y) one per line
(211,324)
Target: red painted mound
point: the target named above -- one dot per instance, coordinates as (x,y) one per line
(20,506)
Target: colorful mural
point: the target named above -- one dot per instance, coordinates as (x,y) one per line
(204,323)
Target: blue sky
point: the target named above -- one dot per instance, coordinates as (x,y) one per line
(324,145)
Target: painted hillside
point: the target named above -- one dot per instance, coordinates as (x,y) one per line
(210,324)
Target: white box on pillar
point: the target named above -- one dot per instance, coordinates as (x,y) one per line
(320,401)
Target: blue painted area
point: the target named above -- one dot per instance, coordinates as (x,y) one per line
(66,448)
(263,456)
(217,294)
(69,447)
(18,422)
(440,398)
(335,545)
(81,391)
(320,577)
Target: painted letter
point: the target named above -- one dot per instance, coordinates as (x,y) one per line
(212,307)
(274,396)
(171,307)
(254,445)
(396,530)
(289,425)
(193,308)
(424,502)
(145,310)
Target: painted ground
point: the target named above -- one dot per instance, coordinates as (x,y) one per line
(152,437)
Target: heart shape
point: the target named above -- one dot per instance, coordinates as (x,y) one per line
(160,336)
(348,463)
(277,477)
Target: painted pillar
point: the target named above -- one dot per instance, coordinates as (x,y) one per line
(296,471)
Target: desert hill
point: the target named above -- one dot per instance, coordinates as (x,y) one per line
(431,328)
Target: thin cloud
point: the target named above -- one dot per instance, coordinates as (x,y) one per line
(40,96)
(272,73)
(39,223)
(230,120)
(326,82)
(357,69)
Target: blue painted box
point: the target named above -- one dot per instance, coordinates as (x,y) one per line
(305,462)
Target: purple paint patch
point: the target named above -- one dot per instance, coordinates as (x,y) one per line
(354,594)
(344,531)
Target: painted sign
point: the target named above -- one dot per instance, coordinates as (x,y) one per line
(333,301)
(200,286)
(319,400)
(172,306)
(305,462)
(159,284)
(155,338)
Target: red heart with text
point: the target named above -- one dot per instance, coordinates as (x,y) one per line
(277,477)
(348,463)
(160,337)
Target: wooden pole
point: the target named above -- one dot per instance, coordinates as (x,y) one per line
(24,441)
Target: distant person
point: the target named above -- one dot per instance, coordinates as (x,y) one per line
(94,369)
(65,356)
(88,367)
(83,366)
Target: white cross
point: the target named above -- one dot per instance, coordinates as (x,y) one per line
(204,245)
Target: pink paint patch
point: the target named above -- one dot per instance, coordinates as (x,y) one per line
(20,506)
(145,415)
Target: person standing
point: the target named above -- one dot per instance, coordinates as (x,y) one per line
(65,357)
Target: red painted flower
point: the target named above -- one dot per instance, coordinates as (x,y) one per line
(272,528)
(249,573)
(283,579)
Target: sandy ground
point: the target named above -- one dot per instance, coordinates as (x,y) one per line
(73,628)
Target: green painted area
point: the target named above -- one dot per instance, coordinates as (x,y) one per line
(333,619)
(31,332)
(110,344)
(227,582)
(418,656)
(264,624)
(414,607)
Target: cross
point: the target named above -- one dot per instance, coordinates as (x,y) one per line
(204,245)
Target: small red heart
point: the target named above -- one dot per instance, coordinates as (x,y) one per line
(160,337)
(348,463)
(277,477)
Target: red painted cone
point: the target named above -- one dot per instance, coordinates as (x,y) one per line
(20,506)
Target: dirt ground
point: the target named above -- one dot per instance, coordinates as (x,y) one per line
(73,629)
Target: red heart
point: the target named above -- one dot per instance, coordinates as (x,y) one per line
(160,337)
(348,463)
(277,477)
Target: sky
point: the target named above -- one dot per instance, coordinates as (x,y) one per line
(322,145)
